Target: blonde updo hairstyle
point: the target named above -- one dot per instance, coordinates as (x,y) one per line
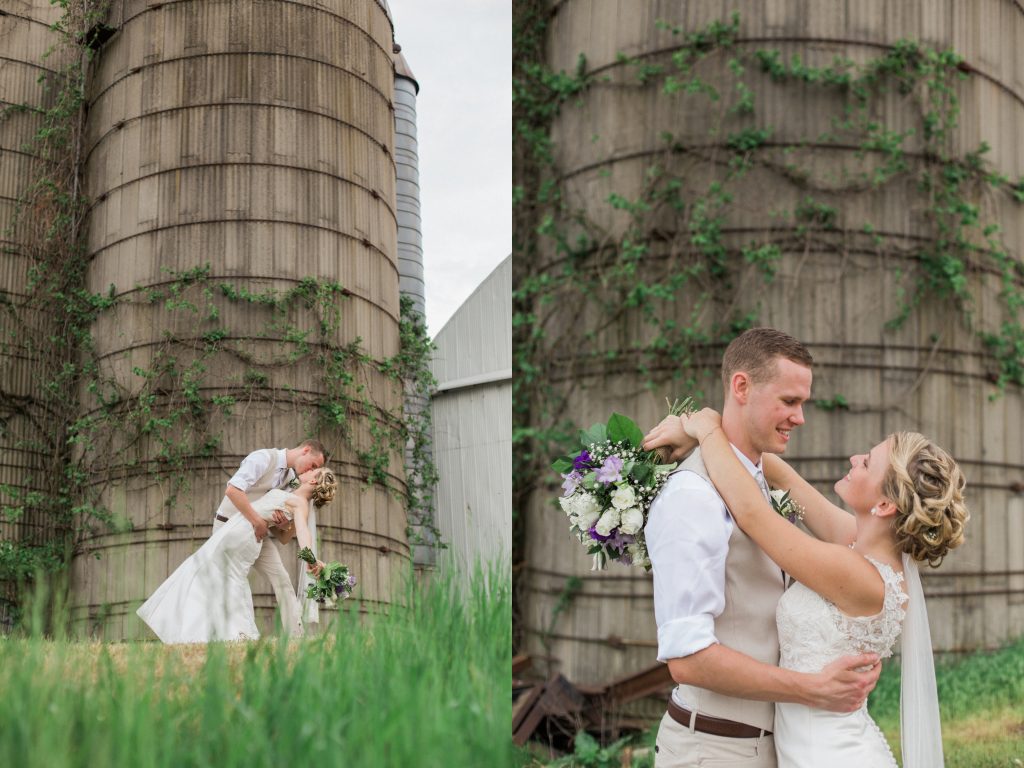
(927,487)
(324,488)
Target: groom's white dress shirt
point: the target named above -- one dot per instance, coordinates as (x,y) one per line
(255,465)
(687,533)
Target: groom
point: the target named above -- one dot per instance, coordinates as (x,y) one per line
(715,591)
(258,473)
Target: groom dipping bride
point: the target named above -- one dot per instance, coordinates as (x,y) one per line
(722,559)
(208,596)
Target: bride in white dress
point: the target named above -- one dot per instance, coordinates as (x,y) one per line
(208,597)
(856,588)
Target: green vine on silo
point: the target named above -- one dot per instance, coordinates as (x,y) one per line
(49,322)
(670,286)
(165,420)
(412,367)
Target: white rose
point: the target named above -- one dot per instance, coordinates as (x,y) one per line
(587,510)
(568,504)
(632,520)
(623,497)
(608,521)
(777,495)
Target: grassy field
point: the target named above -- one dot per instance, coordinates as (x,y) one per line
(424,686)
(981,699)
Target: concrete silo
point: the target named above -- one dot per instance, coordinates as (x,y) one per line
(256,138)
(26,80)
(410,276)
(407,192)
(834,289)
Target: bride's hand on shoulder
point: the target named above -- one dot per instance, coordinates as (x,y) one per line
(702,423)
(670,437)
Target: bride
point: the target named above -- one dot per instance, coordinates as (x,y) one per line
(856,588)
(208,596)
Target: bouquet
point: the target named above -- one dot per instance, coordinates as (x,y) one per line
(335,582)
(609,486)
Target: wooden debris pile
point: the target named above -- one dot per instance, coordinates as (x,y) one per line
(554,710)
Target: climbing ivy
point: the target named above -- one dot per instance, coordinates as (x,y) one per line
(661,289)
(165,420)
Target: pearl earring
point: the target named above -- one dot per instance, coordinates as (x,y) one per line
(874,511)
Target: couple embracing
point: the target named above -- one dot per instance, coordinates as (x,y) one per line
(769,675)
(272,497)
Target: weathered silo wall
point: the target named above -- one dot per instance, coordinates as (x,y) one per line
(25,36)
(256,138)
(835,287)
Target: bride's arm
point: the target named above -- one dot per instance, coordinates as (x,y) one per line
(824,519)
(300,509)
(672,440)
(835,572)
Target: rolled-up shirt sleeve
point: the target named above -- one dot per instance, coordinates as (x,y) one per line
(687,534)
(250,470)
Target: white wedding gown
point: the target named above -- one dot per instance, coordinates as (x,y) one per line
(208,596)
(812,634)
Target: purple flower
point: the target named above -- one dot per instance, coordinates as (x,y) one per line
(614,540)
(351,580)
(582,461)
(339,589)
(611,470)
(572,481)
(620,540)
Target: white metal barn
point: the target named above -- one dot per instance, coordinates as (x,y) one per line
(472,415)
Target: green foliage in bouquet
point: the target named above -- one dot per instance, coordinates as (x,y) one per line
(334,582)
(609,486)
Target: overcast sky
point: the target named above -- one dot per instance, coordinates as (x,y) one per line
(461,54)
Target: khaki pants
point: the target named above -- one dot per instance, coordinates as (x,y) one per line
(679,747)
(270,565)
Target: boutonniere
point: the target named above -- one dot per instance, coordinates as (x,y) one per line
(786,506)
(294,482)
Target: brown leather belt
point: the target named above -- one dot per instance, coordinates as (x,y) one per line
(222,518)
(714,725)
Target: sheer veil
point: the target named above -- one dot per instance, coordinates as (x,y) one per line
(920,729)
(310,611)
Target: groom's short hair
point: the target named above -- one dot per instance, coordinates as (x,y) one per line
(754,352)
(316,446)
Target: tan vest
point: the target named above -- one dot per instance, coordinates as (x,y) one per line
(260,487)
(753,586)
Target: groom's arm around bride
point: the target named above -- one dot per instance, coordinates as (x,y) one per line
(716,591)
(259,472)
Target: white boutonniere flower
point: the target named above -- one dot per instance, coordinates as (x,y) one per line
(785,505)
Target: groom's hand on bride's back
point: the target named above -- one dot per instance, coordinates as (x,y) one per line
(846,682)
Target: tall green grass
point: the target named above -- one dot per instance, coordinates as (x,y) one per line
(981,701)
(426,685)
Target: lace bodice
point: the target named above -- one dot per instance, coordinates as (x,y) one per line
(813,632)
